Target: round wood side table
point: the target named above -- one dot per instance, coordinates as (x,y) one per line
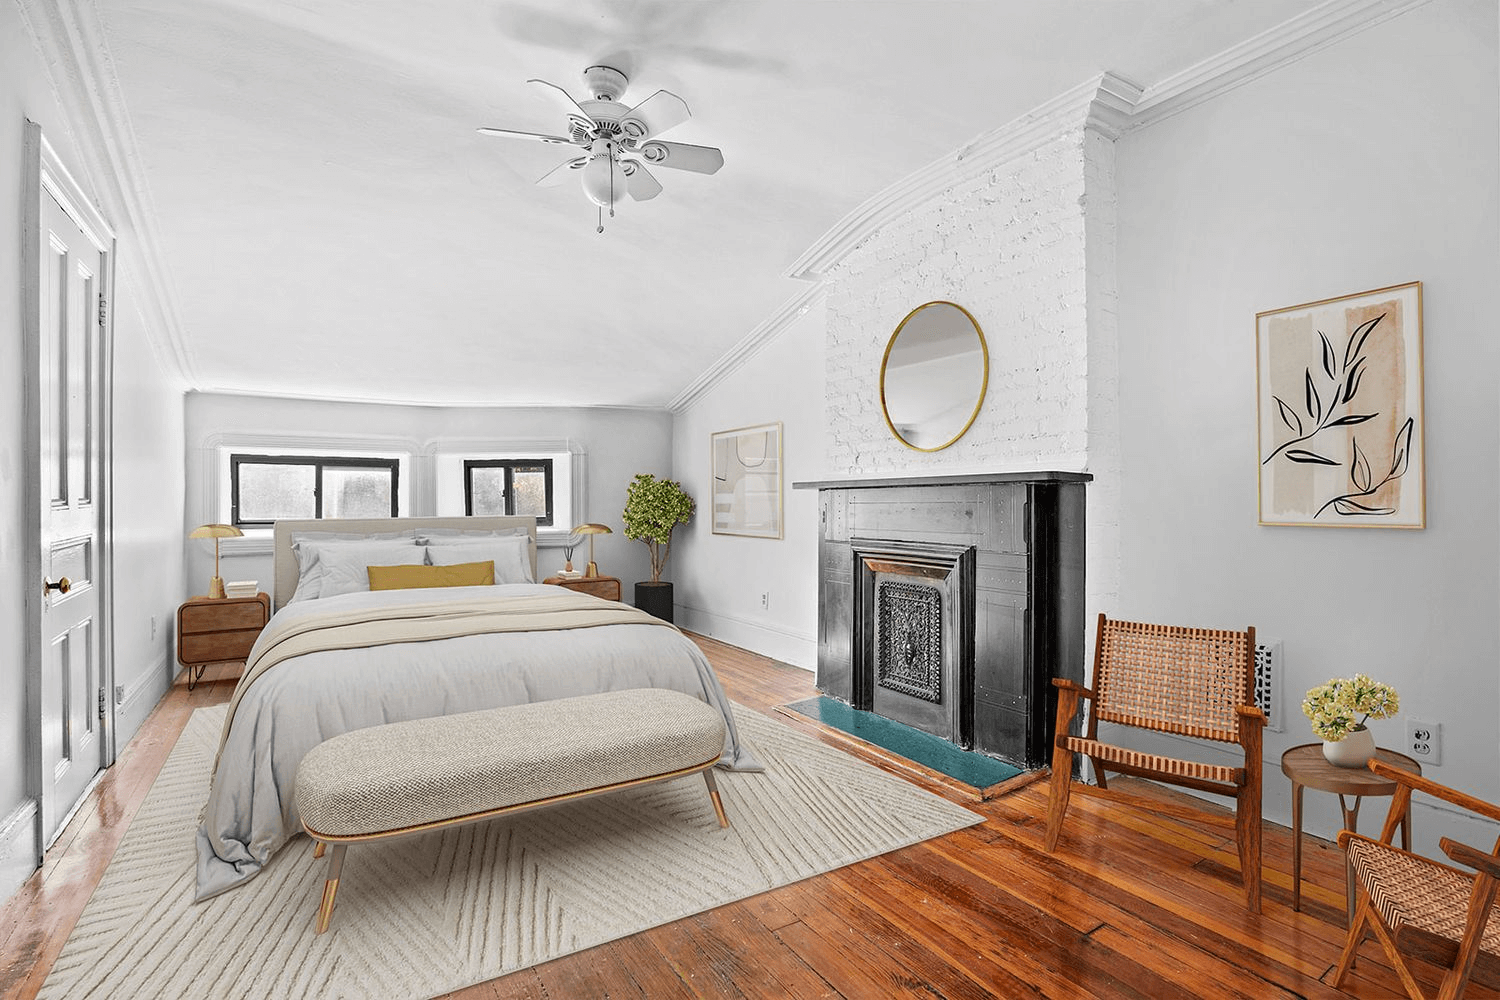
(1306,766)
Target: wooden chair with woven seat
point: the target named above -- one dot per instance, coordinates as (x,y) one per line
(1421,908)
(1171,679)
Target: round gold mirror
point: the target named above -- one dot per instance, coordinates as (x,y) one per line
(933,376)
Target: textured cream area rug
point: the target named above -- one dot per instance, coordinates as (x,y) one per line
(426,914)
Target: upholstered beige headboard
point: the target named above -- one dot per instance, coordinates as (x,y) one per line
(286,562)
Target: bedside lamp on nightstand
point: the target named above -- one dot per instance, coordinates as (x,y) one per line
(591,530)
(216,532)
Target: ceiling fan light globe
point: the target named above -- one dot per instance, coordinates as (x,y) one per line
(603,181)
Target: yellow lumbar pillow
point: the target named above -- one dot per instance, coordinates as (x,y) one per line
(474,574)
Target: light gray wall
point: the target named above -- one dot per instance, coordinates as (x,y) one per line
(618,443)
(148,458)
(719,579)
(1371,163)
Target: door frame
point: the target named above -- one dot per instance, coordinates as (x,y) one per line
(47,177)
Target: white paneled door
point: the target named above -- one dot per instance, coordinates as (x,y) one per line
(70,354)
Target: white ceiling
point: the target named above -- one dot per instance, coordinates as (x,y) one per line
(331,224)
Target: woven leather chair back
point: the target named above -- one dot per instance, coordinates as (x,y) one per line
(1173,679)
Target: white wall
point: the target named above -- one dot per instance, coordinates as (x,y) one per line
(1367,164)
(617,443)
(148,459)
(718,580)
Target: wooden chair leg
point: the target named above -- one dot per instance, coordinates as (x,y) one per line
(1248,835)
(331,887)
(1099,778)
(1355,939)
(1057,799)
(713,793)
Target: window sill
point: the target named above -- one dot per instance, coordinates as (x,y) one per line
(261,541)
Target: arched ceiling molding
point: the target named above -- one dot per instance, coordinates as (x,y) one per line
(748,346)
(82,76)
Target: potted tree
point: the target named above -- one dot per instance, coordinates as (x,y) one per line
(653,507)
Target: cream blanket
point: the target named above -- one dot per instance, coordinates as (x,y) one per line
(362,627)
(331,666)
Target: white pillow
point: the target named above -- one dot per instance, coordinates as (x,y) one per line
(341,566)
(310,571)
(511,555)
(441,535)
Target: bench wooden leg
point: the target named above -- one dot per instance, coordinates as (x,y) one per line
(331,887)
(713,793)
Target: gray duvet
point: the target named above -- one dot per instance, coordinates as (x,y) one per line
(303,700)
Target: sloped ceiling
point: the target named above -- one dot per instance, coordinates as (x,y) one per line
(331,225)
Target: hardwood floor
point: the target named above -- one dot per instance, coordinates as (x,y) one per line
(1132,904)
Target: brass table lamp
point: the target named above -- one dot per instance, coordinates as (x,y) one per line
(591,530)
(216,532)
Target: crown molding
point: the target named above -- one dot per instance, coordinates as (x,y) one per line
(82,77)
(1268,51)
(750,345)
(1103,102)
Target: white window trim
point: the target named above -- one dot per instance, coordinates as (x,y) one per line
(217,448)
(557,534)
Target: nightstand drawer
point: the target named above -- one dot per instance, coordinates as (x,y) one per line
(212,647)
(216,616)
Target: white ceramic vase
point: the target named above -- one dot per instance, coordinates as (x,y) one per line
(1354,750)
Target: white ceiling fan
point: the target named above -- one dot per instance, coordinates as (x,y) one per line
(618,140)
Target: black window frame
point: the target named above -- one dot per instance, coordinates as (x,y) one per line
(319,463)
(509,465)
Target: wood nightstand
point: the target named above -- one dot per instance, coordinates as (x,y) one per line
(607,587)
(218,630)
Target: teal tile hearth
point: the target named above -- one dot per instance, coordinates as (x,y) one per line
(930,751)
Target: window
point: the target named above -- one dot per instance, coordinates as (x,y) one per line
(266,488)
(509,486)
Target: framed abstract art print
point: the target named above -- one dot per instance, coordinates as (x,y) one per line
(1339,398)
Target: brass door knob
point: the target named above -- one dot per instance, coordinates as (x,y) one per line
(62,586)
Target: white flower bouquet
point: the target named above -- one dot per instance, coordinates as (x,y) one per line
(1332,707)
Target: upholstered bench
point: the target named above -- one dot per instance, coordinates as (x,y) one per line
(408,777)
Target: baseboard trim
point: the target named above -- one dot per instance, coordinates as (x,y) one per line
(766,638)
(141,696)
(18,852)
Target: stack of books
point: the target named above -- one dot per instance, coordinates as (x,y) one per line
(241,588)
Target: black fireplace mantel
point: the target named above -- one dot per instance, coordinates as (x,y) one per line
(1023,535)
(852,483)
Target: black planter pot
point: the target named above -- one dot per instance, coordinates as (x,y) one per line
(655,599)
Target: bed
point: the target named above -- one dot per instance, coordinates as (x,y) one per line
(346,660)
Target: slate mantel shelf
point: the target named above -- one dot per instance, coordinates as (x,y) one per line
(952,480)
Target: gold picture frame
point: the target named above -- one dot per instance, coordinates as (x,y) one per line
(1339,411)
(745,481)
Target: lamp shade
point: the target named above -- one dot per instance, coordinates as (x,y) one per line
(215,531)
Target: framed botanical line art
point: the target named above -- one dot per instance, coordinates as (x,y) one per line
(747,481)
(1339,401)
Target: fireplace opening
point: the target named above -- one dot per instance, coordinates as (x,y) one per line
(914,635)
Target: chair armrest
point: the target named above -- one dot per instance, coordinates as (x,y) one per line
(1250,713)
(1476,859)
(1063,684)
(1420,784)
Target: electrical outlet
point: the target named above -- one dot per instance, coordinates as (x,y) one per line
(119,694)
(1424,741)
(765,600)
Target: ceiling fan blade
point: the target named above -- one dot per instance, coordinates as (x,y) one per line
(683,156)
(639,182)
(562,172)
(576,115)
(534,136)
(657,113)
